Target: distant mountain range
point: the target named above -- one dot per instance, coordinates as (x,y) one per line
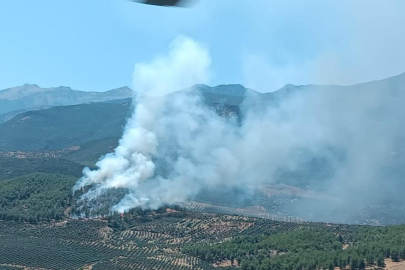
(30,96)
(96,127)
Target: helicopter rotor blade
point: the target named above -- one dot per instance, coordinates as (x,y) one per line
(164,3)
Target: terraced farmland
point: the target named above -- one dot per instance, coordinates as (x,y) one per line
(166,240)
(146,244)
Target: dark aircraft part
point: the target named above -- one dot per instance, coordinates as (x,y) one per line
(166,3)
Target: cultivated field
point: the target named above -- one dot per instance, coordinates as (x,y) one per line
(152,241)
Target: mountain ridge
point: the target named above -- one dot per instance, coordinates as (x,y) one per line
(105,120)
(31,95)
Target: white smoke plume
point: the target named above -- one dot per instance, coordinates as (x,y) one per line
(175,145)
(131,164)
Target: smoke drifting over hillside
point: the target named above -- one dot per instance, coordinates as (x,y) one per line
(345,142)
(132,164)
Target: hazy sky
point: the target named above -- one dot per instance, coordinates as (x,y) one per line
(263,44)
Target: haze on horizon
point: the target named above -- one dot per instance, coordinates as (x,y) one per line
(262,44)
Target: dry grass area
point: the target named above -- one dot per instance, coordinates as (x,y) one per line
(88,267)
(390,265)
(345,246)
(225,263)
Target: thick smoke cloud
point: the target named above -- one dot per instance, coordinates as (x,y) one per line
(132,165)
(344,142)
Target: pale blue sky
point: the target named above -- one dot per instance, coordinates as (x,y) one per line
(263,44)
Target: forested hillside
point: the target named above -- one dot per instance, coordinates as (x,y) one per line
(35,197)
(62,127)
(13,167)
(309,248)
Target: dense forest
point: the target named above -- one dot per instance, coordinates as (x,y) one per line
(34,197)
